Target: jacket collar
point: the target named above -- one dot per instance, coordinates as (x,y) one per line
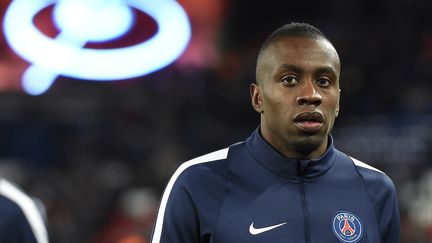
(292,169)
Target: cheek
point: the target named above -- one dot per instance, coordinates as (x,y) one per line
(270,102)
(332,110)
(333,101)
(276,105)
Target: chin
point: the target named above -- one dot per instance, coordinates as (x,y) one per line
(308,144)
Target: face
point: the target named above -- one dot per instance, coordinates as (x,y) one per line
(297,95)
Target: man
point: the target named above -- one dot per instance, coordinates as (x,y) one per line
(286,182)
(20,218)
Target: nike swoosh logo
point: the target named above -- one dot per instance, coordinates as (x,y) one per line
(255,231)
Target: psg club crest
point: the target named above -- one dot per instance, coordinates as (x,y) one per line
(347,227)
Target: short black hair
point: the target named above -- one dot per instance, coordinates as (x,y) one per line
(294,29)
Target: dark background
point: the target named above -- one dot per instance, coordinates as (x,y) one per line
(98,155)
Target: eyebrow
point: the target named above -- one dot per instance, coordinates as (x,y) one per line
(291,67)
(329,70)
(326,69)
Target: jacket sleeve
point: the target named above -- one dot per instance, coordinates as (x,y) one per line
(192,200)
(177,220)
(383,193)
(388,207)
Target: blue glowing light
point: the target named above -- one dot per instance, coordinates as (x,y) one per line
(65,54)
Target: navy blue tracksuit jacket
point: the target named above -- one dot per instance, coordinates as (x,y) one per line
(249,192)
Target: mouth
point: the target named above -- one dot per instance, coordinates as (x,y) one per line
(309,122)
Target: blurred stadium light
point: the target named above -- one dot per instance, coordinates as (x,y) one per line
(80,22)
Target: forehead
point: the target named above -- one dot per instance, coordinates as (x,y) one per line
(302,52)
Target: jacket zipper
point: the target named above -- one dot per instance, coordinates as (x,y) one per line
(305,209)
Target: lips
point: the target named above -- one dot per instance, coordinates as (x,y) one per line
(309,122)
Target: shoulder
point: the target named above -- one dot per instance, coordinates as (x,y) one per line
(210,165)
(194,174)
(363,166)
(205,159)
(201,166)
(375,179)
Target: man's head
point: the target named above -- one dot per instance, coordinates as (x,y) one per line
(297,90)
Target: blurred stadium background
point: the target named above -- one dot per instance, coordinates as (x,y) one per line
(98,155)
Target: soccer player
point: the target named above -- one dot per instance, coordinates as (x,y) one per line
(286,182)
(21,219)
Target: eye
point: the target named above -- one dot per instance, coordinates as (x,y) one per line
(323,82)
(289,80)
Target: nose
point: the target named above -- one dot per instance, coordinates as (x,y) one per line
(308,95)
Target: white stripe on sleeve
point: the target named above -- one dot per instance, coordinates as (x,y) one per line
(364,165)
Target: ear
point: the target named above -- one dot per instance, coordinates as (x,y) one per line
(337,106)
(256,97)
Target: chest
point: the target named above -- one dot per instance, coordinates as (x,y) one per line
(311,212)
